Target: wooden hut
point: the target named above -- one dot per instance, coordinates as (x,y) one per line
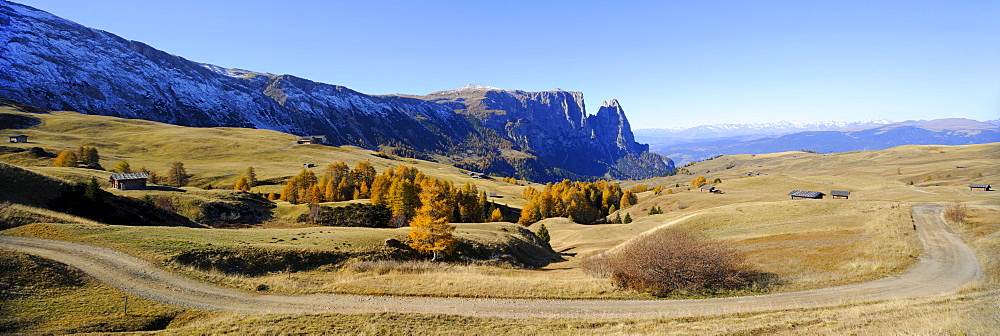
(312,139)
(129,181)
(840,194)
(806,194)
(979,187)
(18,138)
(706,188)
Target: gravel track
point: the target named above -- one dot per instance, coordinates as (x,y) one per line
(946,264)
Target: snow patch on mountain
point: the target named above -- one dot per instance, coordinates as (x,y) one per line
(756,128)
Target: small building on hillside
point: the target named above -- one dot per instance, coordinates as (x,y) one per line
(960,166)
(806,194)
(840,194)
(308,165)
(706,188)
(980,187)
(129,181)
(312,139)
(494,195)
(18,138)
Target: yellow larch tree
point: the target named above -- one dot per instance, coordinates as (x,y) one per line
(496,216)
(242,184)
(698,182)
(66,158)
(430,231)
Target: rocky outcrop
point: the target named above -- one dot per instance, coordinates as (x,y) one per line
(56,64)
(555,125)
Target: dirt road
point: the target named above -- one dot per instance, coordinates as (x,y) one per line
(947,264)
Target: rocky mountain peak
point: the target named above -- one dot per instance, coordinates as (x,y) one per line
(477,87)
(56,64)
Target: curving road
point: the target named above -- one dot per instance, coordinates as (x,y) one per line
(947,264)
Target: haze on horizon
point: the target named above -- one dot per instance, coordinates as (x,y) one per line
(669,64)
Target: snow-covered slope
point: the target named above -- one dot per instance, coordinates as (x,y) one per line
(57,64)
(762,128)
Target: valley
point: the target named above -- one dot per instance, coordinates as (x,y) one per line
(146,193)
(853,249)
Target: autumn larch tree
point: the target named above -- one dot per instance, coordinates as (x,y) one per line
(123,167)
(430,231)
(177,176)
(89,157)
(66,158)
(496,216)
(242,184)
(698,182)
(628,199)
(403,199)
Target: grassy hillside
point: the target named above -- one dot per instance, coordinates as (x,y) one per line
(215,156)
(806,243)
(50,194)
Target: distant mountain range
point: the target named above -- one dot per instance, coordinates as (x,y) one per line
(753,129)
(954,131)
(53,63)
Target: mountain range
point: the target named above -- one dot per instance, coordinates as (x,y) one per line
(753,129)
(53,63)
(952,131)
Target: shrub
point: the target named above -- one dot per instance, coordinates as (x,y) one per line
(956,213)
(598,265)
(257,261)
(639,188)
(672,260)
(356,215)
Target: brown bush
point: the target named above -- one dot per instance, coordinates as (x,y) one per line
(672,260)
(956,213)
(598,265)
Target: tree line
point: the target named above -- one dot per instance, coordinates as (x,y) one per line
(400,189)
(581,202)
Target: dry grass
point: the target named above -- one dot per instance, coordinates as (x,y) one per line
(219,157)
(13,215)
(811,244)
(981,229)
(959,315)
(43,297)
(808,244)
(93,308)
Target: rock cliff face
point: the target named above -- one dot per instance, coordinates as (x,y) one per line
(56,64)
(553,124)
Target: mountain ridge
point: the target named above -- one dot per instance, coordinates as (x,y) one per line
(950,131)
(57,64)
(755,128)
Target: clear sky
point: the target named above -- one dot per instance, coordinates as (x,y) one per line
(669,63)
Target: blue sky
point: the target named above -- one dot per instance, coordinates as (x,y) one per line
(669,63)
